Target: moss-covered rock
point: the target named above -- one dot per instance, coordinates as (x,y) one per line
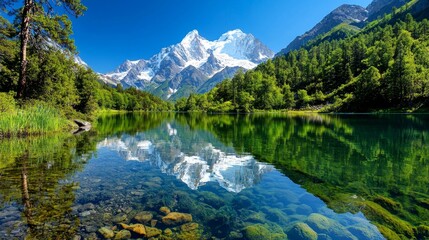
(255,217)
(106,232)
(152,232)
(276,215)
(262,232)
(168,232)
(302,231)
(123,234)
(120,218)
(235,235)
(256,232)
(143,217)
(165,210)
(187,227)
(388,203)
(137,228)
(322,224)
(380,215)
(175,218)
(212,199)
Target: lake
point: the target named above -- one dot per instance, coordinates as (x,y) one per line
(186,176)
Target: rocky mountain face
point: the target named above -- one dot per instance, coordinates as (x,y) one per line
(380,7)
(343,14)
(186,66)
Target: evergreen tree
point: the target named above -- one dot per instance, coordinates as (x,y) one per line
(40,24)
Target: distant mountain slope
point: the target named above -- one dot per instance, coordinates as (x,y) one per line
(354,16)
(343,14)
(378,8)
(188,64)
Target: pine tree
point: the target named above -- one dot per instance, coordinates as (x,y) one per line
(40,24)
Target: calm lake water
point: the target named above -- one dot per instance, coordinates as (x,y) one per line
(262,176)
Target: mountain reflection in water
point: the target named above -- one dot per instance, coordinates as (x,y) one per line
(261,176)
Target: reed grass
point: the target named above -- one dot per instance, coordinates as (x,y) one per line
(31,120)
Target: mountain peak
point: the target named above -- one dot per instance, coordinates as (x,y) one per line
(233,34)
(190,36)
(187,65)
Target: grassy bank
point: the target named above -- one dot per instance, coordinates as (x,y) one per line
(29,119)
(32,120)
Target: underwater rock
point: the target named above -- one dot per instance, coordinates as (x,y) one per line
(85,214)
(300,209)
(168,232)
(276,215)
(153,222)
(241,202)
(235,235)
(187,227)
(156,180)
(143,217)
(302,231)
(91,229)
(212,199)
(106,232)
(189,235)
(152,232)
(77,237)
(88,206)
(175,218)
(323,236)
(365,232)
(137,193)
(322,224)
(261,232)
(92,236)
(123,234)
(137,228)
(256,217)
(119,218)
(107,216)
(165,210)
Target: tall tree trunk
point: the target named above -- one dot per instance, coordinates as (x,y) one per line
(24,36)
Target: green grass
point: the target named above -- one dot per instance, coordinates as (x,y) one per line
(31,120)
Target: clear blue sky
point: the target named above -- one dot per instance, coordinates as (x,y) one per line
(112,31)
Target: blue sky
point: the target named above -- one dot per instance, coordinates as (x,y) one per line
(112,31)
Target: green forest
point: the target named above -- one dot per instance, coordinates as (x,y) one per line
(41,85)
(384,67)
(55,79)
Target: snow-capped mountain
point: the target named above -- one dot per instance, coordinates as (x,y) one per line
(205,163)
(190,63)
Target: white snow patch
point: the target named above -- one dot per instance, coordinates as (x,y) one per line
(171,91)
(146,75)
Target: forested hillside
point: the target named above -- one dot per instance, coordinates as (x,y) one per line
(385,67)
(54,78)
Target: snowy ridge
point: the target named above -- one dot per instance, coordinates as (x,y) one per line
(232,49)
